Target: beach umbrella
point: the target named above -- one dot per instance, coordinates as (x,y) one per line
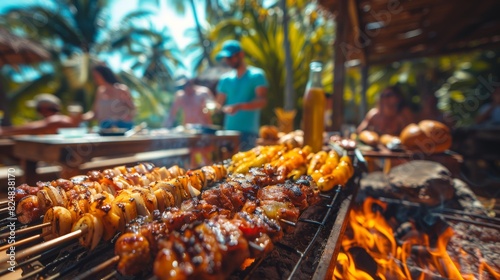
(15,50)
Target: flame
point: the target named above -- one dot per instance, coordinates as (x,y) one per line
(416,258)
(248,262)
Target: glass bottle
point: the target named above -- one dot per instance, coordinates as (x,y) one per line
(314,108)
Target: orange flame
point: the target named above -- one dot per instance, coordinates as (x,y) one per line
(416,258)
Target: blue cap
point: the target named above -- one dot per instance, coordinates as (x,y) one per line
(229,48)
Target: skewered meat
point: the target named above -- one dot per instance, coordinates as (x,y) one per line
(25,190)
(105,215)
(28,209)
(215,248)
(254,212)
(133,249)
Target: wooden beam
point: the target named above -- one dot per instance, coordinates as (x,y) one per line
(356,28)
(363,106)
(399,56)
(339,65)
(466,14)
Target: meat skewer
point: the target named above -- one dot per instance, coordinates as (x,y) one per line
(107,215)
(246,220)
(61,192)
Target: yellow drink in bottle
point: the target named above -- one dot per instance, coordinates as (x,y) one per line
(313,117)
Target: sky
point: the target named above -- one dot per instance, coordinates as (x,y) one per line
(177,24)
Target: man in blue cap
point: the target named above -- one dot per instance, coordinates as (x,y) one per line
(241,93)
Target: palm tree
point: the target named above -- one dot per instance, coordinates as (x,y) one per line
(261,32)
(78,27)
(204,44)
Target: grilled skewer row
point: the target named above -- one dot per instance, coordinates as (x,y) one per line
(210,245)
(80,190)
(279,161)
(107,215)
(147,170)
(327,168)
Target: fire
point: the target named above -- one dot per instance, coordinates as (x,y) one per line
(416,258)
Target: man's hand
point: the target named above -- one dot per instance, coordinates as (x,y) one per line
(230,109)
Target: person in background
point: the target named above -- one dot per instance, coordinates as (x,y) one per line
(390,115)
(241,94)
(113,105)
(191,100)
(48,106)
(430,111)
(489,113)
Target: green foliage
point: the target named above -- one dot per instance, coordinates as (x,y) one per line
(76,33)
(260,31)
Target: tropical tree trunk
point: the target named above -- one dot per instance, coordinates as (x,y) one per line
(289,92)
(204,43)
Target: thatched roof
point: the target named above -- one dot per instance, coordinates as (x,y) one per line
(15,50)
(382,31)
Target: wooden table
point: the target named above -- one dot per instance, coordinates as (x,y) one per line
(6,147)
(71,153)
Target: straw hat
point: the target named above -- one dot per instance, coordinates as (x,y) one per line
(45,100)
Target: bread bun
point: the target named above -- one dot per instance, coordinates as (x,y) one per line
(268,132)
(370,138)
(293,139)
(387,138)
(428,136)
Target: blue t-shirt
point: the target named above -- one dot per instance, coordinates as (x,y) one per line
(242,90)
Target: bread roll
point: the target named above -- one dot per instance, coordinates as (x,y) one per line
(428,136)
(370,138)
(387,138)
(268,132)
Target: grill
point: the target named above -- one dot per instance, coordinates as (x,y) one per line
(309,252)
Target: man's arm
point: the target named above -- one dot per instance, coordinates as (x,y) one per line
(259,102)
(220,99)
(367,120)
(45,126)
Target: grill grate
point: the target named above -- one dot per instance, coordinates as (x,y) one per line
(310,250)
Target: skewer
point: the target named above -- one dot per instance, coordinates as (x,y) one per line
(32,273)
(288,222)
(453,211)
(4,210)
(51,264)
(311,222)
(30,260)
(96,269)
(23,241)
(450,217)
(24,230)
(110,276)
(46,245)
(3,202)
(255,246)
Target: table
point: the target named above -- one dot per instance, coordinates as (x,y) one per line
(71,153)
(6,146)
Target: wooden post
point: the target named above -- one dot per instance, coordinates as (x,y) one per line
(363,106)
(289,91)
(339,65)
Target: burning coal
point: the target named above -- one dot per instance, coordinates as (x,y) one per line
(376,246)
